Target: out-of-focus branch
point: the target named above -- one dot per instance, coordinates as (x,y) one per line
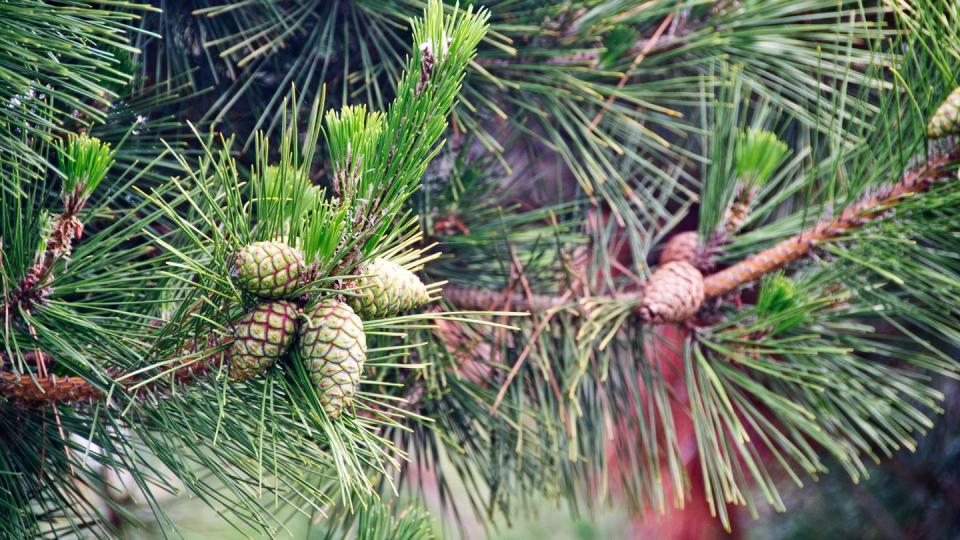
(755,266)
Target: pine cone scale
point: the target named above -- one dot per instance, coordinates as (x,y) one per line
(269,269)
(261,337)
(681,247)
(386,288)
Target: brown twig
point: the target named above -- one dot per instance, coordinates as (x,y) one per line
(483,300)
(32,390)
(800,245)
(591,57)
(528,295)
(427,64)
(34,287)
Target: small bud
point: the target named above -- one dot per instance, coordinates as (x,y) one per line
(946,120)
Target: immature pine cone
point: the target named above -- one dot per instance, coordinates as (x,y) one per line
(269,269)
(262,336)
(681,247)
(334,346)
(946,120)
(673,293)
(387,289)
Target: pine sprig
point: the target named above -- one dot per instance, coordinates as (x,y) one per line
(757,154)
(584,137)
(770,384)
(84,162)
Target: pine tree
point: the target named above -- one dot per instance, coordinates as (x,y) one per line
(280,256)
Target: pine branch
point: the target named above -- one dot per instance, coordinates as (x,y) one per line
(479,299)
(395,156)
(752,268)
(38,391)
(32,390)
(867,209)
(27,390)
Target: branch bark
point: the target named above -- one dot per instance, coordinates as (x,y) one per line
(31,390)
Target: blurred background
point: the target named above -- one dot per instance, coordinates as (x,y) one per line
(913,495)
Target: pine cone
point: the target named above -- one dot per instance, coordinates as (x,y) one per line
(681,247)
(269,269)
(387,289)
(334,346)
(946,120)
(262,336)
(674,293)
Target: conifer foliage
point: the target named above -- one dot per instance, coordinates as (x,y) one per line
(285,257)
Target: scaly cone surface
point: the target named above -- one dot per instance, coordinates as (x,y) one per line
(673,294)
(946,120)
(334,346)
(261,337)
(269,269)
(681,247)
(387,288)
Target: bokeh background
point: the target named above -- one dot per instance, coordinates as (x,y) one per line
(913,495)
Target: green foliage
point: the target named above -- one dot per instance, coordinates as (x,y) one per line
(779,303)
(380,521)
(742,159)
(551,71)
(58,63)
(831,358)
(130,318)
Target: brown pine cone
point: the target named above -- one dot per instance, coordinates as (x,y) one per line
(681,247)
(674,293)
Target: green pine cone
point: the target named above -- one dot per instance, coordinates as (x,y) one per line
(386,289)
(261,337)
(946,120)
(269,269)
(334,346)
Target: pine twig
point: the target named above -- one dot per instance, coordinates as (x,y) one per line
(541,325)
(480,299)
(32,390)
(800,245)
(591,57)
(755,266)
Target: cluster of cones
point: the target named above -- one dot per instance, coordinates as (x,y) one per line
(329,335)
